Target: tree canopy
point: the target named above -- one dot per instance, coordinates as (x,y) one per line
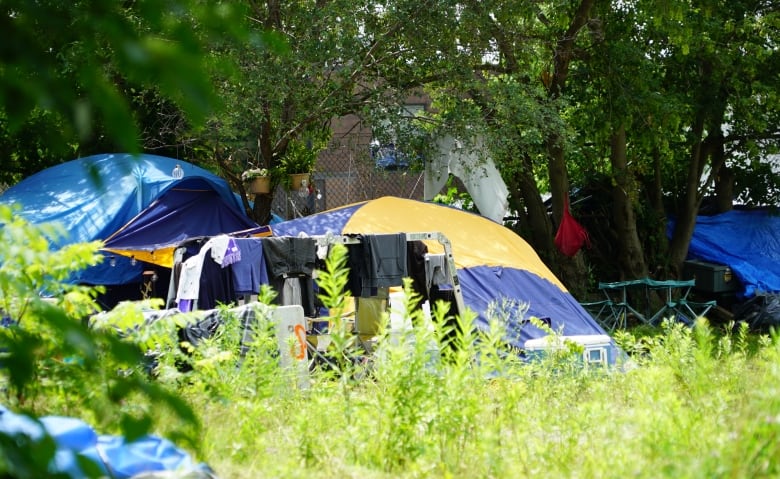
(660,104)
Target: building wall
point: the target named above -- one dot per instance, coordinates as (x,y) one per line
(345,173)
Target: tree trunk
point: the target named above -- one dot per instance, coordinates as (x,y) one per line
(655,242)
(721,176)
(630,255)
(537,221)
(261,210)
(703,149)
(686,216)
(569,271)
(724,190)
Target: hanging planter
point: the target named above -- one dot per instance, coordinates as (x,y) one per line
(298,162)
(260,185)
(299,180)
(258,181)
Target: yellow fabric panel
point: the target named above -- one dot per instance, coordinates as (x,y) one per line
(475,240)
(161,257)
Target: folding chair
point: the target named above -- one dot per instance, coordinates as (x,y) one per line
(690,310)
(605,313)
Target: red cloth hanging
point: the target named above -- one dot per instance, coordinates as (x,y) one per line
(571,235)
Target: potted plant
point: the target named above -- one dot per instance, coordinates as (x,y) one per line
(258,180)
(298,162)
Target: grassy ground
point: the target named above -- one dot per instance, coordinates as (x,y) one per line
(693,404)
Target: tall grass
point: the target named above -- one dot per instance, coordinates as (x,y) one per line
(695,406)
(697,403)
(449,401)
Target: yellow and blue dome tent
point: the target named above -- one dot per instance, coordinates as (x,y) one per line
(493,263)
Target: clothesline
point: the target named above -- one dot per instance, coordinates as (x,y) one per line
(280,262)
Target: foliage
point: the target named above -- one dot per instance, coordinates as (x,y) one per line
(340,58)
(678,76)
(454,197)
(301,156)
(54,363)
(443,399)
(413,421)
(88,71)
(692,404)
(253,173)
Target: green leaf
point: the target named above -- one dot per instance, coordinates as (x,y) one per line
(135,427)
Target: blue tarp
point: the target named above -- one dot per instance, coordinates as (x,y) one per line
(94,197)
(113,455)
(747,241)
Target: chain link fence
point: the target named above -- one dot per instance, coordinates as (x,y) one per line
(348,173)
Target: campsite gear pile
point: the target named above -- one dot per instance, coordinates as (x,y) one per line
(747,241)
(761,312)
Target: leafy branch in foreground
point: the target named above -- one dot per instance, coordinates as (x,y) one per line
(54,363)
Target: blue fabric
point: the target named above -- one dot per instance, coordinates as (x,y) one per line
(191,208)
(748,241)
(484,285)
(387,157)
(114,456)
(123,271)
(251,272)
(320,224)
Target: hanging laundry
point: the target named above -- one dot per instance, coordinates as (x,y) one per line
(290,263)
(386,260)
(224,250)
(251,271)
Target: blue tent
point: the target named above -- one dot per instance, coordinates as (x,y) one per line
(748,241)
(96,197)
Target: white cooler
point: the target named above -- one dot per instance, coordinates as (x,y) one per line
(598,348)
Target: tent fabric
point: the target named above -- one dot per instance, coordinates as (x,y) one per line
(747,241)
(92,198)
(478,173)
(114,455)
(496,267)
(189,209)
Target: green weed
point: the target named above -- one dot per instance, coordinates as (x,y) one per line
(441,399)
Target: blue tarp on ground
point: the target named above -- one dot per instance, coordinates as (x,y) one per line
(113,455)
(748,241)
(94,197)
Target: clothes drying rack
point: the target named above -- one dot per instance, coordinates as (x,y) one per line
(330,239)
(318,342)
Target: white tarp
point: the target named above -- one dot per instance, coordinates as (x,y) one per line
(475,169)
